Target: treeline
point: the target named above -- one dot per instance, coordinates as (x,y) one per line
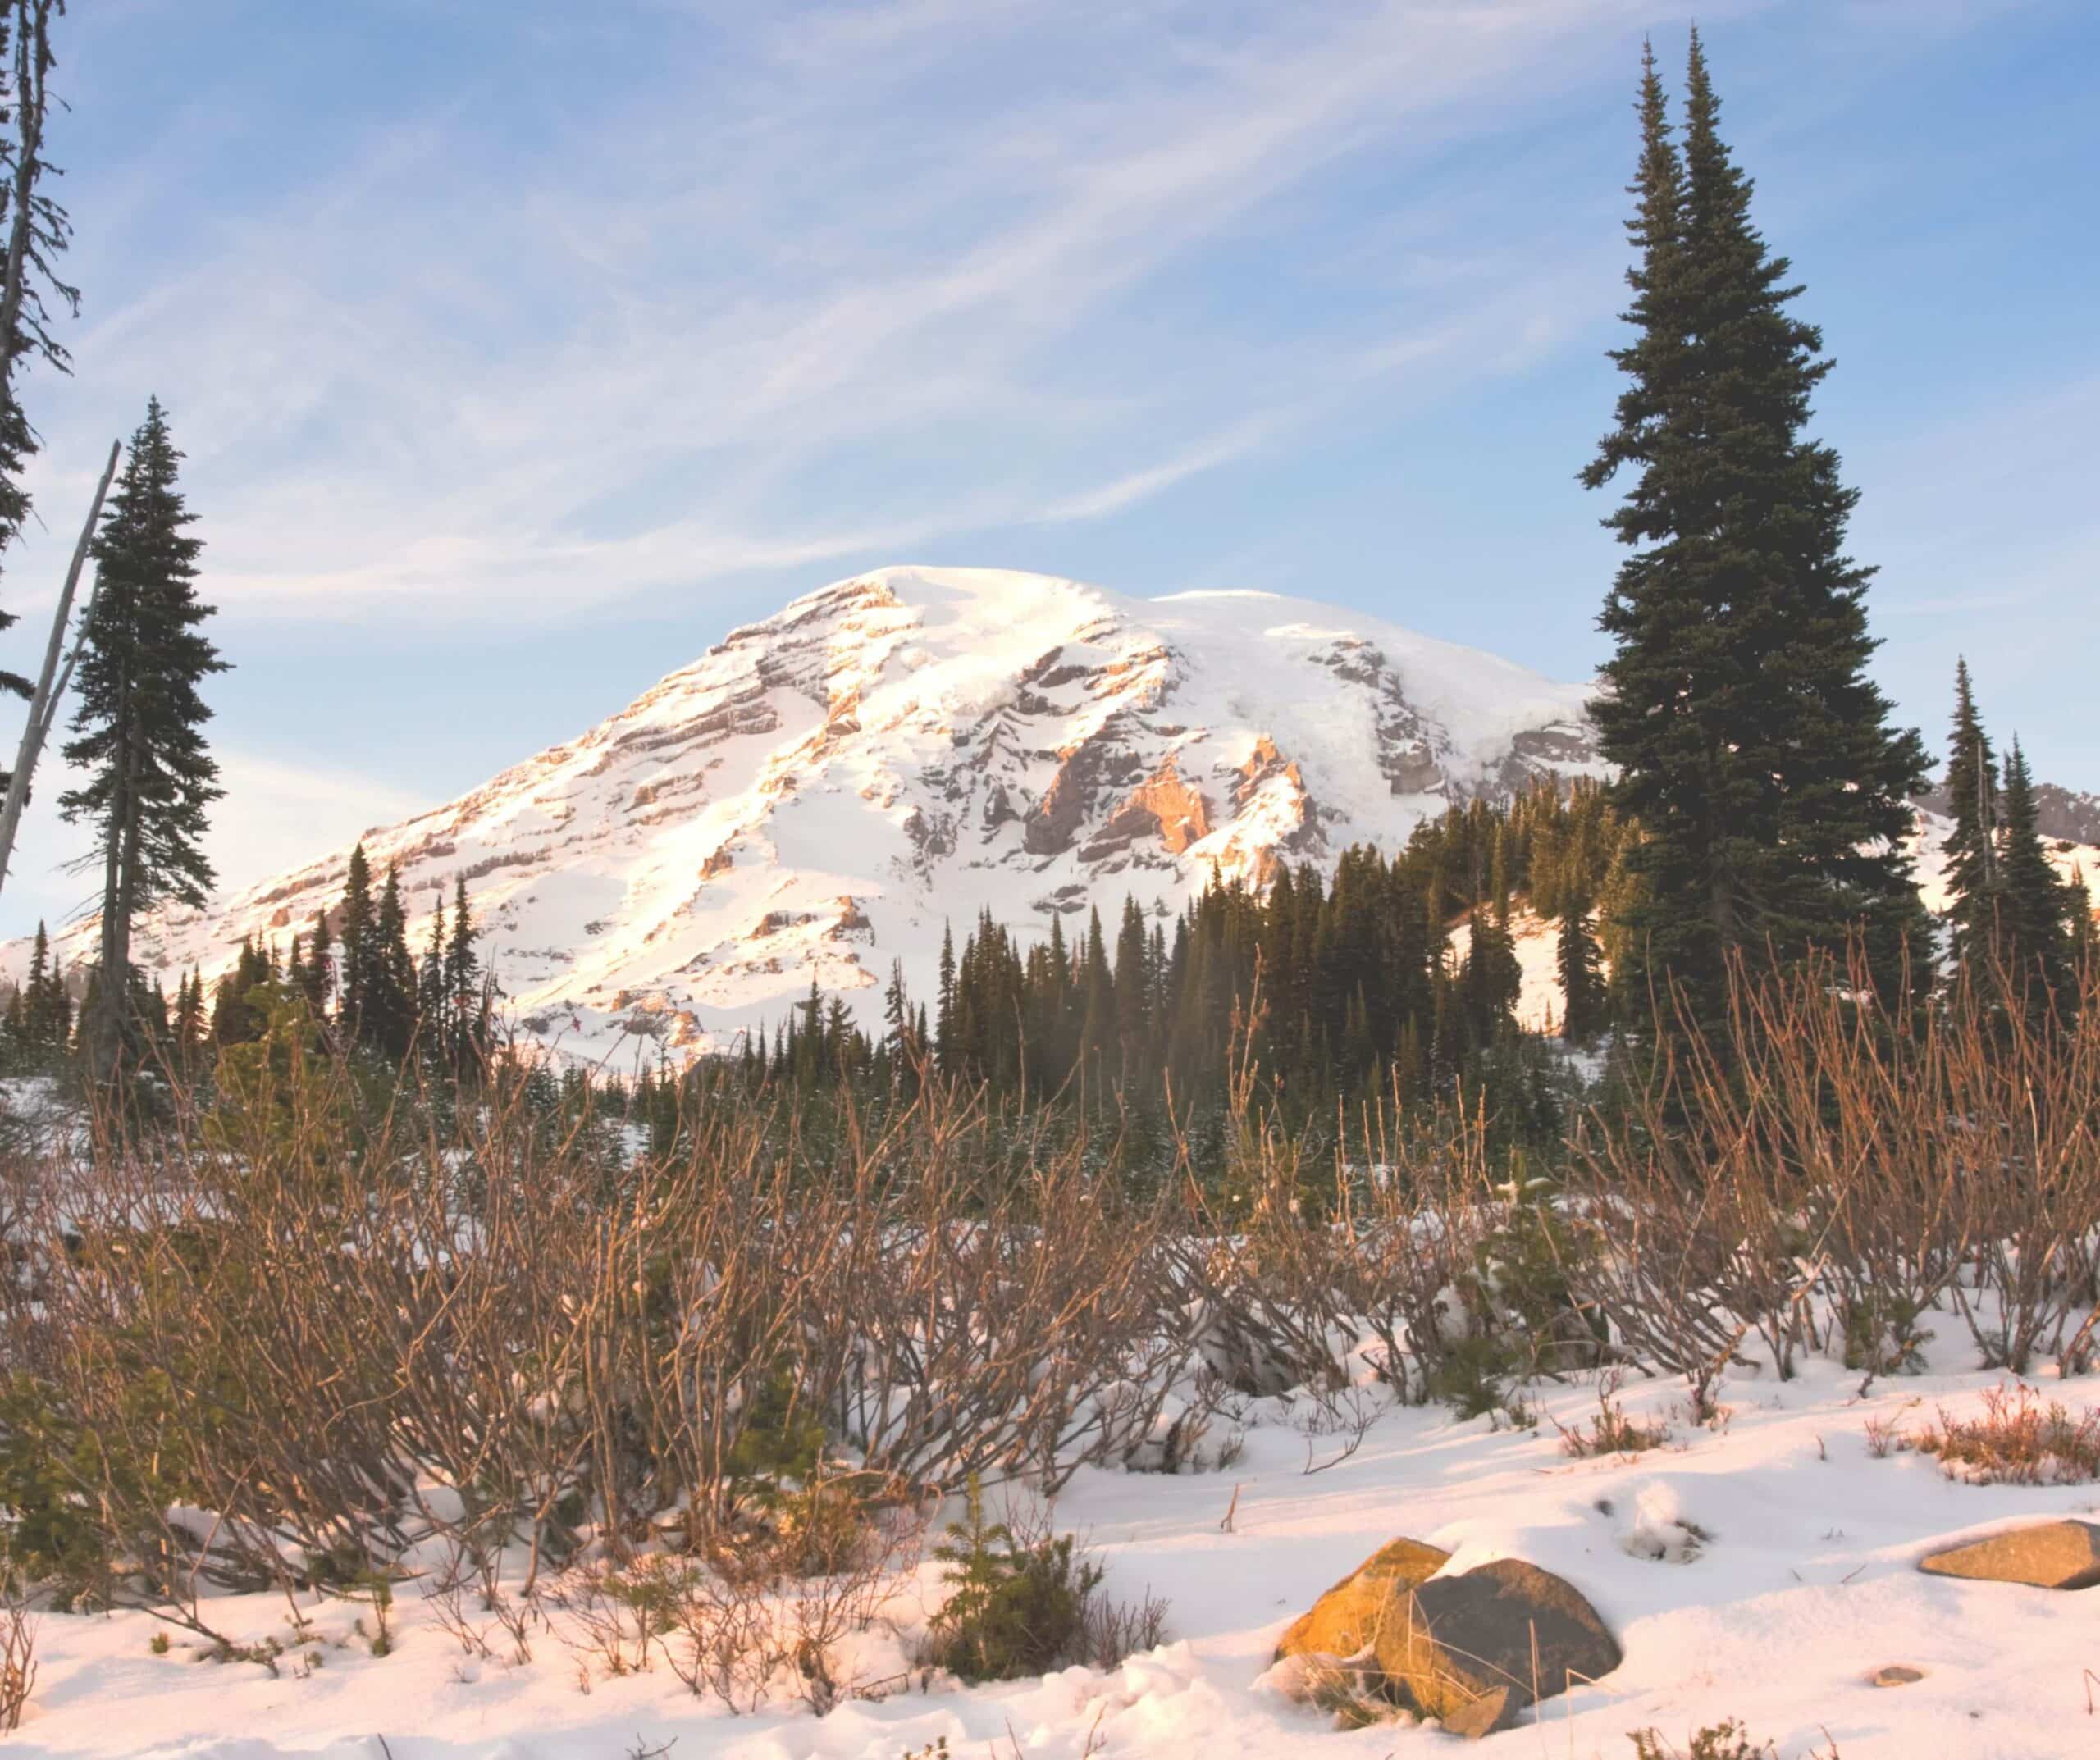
(356,986)
(1397,974)
(2009,909)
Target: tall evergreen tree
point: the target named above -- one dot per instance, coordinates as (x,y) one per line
(944,1045)
(1583,996)
(190,1026)
(433,992)
(2034,905)
(46,1018)
(139,733)
(1972,854)
(1754,753)
(388,1022)
(463,975)
(360,946)
(316,978)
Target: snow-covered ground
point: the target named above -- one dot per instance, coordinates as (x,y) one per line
(1804,1583)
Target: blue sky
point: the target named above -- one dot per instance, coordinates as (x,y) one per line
(521,348)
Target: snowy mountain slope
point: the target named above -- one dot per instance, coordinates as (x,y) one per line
(821,793)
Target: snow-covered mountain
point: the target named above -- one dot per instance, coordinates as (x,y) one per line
(821,793)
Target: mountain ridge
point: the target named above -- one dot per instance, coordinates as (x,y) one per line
(827,790)
(824,789)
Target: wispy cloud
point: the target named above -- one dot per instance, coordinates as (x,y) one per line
(872,275)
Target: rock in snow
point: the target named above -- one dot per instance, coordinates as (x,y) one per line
(1346,1620)
(2047,1555)
(1472,1650)
(1506,1629)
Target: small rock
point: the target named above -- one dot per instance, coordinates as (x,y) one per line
(1492,1710)
(2046,1555)
(1895,1675)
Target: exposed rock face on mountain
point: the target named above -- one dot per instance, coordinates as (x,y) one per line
(818,795)
(2063,815)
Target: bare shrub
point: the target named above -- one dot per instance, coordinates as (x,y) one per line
(1729,1740)
(17,1659)
(2019,1440)
(1843,1169)
(757,1612)
(1610,1430)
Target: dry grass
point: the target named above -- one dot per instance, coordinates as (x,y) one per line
(2019,1440)
(1610,1431)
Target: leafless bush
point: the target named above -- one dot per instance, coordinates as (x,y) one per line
(1610,1430)
(1845,1169)
(17,1659)
(2019,1440)
(755,1613)
(1116,1629)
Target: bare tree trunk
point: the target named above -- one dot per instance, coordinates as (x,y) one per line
(113,1035)
(51,685)
(32,24)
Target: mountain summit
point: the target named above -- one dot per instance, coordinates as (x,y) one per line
(819,794)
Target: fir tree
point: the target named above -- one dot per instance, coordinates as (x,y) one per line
(2033,905)
(238,1013)
(901,1036)
(462,972)
(1972,856)
(387,1022)
(944,1041)
(45,1020)
(1754,753)
(31,993)
(433,993)
(190,1027)
(317,978)
(360,946)
(138,730)
(1583,996)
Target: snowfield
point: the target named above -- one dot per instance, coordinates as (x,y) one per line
(1760,1569)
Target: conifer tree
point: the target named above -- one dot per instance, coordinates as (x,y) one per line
(360,945)
(317,978)
(139,733)
(462,975)
(1754,753)
(1583,994)
(387,1023)
(944,1029)
(237,1017)
(2084,932)
(46,1017)
(2035,906)
(190,1026)
(433,992)
(1972,858)
(39,974)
